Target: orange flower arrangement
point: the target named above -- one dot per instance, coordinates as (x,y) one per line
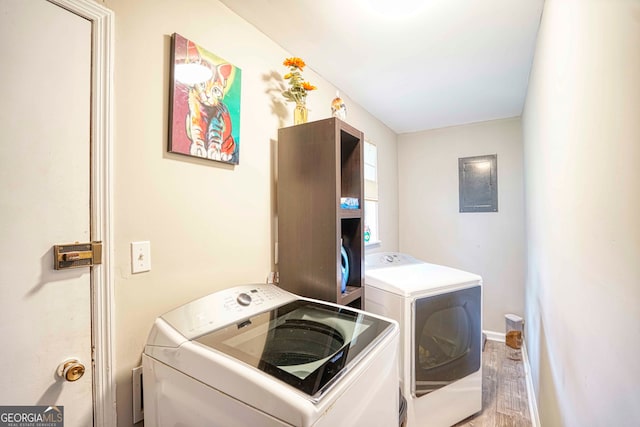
(298,89)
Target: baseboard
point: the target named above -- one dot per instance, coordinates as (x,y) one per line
(495,336)
(533,405)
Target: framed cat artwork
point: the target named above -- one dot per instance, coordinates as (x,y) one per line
(205,103)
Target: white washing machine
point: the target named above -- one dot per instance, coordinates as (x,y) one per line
(439,310)
(256,355)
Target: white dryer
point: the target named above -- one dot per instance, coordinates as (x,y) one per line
(439,310)
(256,355)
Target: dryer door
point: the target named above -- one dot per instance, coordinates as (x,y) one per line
(447,340)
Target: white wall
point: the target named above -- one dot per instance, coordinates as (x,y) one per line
(581,129)
(210,225)
(431,227)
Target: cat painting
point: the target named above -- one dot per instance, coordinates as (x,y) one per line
(208,123)
(206,103)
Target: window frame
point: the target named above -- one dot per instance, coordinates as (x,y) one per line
(371,200)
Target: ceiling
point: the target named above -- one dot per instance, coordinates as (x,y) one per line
(413,64)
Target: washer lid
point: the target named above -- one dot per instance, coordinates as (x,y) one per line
(417,278)
(304,343)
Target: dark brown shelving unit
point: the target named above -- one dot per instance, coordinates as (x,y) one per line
(318,163)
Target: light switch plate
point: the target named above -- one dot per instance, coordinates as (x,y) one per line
(140,257)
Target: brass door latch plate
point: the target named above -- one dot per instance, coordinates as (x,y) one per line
(74,255)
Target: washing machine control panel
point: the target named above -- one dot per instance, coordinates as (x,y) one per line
(388,259)
(254,299)
(225,307)
(244,299)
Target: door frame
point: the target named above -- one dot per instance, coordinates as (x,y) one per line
(102,295)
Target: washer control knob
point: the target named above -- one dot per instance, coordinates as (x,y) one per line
(244,299)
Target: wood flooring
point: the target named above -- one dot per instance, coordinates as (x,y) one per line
(504,390)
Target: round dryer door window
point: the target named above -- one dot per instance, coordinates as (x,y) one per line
(446,336)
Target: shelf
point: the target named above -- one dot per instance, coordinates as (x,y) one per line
(318,164)
(350,213)
(351,294)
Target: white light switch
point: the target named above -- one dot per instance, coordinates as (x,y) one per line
(140,257)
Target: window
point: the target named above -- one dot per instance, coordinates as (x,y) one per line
(371,231)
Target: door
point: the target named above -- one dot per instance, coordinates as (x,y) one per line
(45,314)
(448,331)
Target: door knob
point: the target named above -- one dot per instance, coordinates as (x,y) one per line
(71,370)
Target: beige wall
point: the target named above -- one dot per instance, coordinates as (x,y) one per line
(431,227)
(210,225)
(582,149)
